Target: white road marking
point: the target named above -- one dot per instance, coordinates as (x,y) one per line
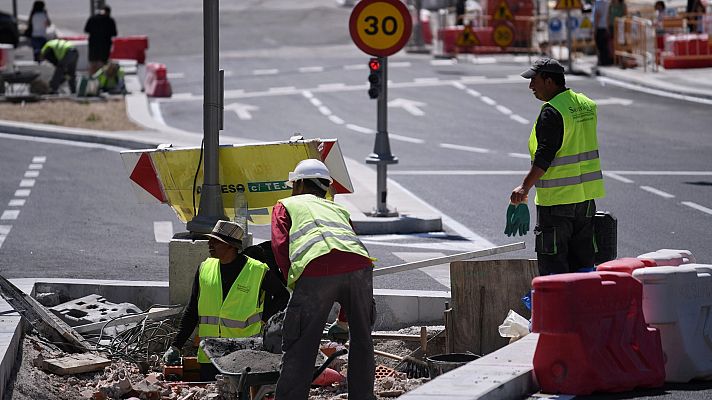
(442,63)
(459,246)
(308,94)
(16,203)
(282,89)
(35,166)
(39,159)
(483,60)
(455,173)
(2,239)
(32,174)
(10,214)
(410,106)
(175,75)
(156,112)
(504,110)
(360,129)
(605,80)
(657,192)
(324,110)
(27,183)
(355,66)
(697,207)
(464,148)
(331,86)
(234,92)
(316,102)
(459,85)
(519,155)
(5,229)
(22,192)
(272,71)
(426,80)
(473,79)
(243,111)
(405,138)
(617,177)
(613,101)
(473,93)
(399,64)
(163,231)
(62,142)
(441,273)
(519,119)
(666,173)
(336,120)
(488,101)
(311,69)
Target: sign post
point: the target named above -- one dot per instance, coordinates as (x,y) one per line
(503,31)
(569,5)
(381,28)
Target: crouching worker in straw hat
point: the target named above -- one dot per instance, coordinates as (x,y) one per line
(324,261)
(233,295)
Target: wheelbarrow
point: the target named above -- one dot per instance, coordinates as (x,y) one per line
(242,377)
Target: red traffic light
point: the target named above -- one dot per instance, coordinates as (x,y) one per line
(374,64)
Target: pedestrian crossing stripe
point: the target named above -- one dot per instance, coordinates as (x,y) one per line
(503,13)
(467,38)
(568,5)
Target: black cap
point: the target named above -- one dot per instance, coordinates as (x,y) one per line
(543,65)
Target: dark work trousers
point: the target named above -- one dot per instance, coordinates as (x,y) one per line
(603,45)
(564,237)
(67,66)
(304,322)
(208,372)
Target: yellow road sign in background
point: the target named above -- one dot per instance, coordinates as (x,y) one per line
(380,27)
(503,34)
(258,171)
(568,5)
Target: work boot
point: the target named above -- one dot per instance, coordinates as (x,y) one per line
(338,331)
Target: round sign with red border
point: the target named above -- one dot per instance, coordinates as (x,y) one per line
(503,34)
(380,27)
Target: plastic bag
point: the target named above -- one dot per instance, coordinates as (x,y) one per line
(514,327)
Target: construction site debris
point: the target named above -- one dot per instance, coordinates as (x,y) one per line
(75,364)
(90,309)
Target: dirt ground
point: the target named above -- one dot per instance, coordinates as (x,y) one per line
(100,114)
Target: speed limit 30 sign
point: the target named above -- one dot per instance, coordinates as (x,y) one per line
(380,27)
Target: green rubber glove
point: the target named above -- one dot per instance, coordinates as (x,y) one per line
(521,216)
(172,356)
(510,229)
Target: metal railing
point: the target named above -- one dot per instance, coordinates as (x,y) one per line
(634,43)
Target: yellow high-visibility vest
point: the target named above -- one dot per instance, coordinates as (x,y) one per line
(318,227)
(60,47)
(240,315)
(575,173)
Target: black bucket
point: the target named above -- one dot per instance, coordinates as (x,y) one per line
(442,363)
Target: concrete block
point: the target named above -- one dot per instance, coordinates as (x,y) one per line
(90,309)
(395,312)
(184,258)
(8,353)
(143,294)
(431,308)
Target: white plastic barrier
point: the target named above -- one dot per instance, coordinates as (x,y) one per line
(82,47)
(670,257)
(678,302)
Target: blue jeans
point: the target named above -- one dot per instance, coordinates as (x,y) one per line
(37,43)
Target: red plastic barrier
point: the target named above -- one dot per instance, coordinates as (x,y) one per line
(156,82)
(427,32)
(593,337)
(627,265)
(483,34)
(130,48)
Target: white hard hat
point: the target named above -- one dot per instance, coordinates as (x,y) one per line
(309,169)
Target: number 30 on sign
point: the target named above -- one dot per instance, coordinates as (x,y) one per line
(380,27)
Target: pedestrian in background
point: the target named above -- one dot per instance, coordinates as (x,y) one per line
(566,171)
(324,261)
(64,56)
(101,29)
(602,35)
(233,296)
(37,25)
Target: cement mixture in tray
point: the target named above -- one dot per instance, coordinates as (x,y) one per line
(258,361)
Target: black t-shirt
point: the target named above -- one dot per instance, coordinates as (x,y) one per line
(549,136)
(276,296)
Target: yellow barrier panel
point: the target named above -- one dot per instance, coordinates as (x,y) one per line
(173,176)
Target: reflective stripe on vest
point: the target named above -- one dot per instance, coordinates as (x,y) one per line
(240,314)
(310,237)
(575,173)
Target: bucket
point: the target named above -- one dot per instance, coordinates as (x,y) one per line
(442,363)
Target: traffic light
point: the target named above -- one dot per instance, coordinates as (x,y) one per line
(374,77)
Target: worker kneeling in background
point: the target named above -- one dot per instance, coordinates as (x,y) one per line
(233,296)
(111,79)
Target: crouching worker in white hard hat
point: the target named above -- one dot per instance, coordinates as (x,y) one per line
(324,262)
(233,296)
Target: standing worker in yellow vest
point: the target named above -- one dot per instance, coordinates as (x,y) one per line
(566,171)
(64,56)
(324,261)
(233,295)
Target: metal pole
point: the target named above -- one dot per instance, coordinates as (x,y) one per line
(381,155)
(14,10)
(569,38)
(211,207)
